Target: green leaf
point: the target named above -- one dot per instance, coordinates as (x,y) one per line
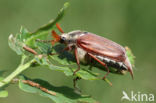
(63,94)
(17,42)
(130,55)
(27,38)
(15,45)
(23,35)
(3,93)
(44,31)
(51,24)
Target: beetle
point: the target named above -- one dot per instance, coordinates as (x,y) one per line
(86,44)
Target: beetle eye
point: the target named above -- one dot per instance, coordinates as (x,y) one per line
(62,40)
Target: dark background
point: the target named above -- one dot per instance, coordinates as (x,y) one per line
(128,22)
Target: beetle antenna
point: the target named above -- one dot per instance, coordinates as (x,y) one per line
(59,28)
(55,36)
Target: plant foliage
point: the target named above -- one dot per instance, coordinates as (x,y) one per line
(24,44)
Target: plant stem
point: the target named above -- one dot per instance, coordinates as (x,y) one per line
(19,69)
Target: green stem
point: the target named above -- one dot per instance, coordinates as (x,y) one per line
(19,69)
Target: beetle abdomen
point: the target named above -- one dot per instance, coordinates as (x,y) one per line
(112,63)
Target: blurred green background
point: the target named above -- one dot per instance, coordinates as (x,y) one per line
(128,22)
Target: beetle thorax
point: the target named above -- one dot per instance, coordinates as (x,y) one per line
(71,37)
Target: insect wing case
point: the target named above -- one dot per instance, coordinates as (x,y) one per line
(103,47)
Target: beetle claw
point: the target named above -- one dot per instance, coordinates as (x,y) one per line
(76,89)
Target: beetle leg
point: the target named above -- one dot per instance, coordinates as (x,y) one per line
(102,63)
(68,48)
(75,80)
(65,49)
(77,61)
(91,62)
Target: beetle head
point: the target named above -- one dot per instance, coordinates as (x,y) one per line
(66,38)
